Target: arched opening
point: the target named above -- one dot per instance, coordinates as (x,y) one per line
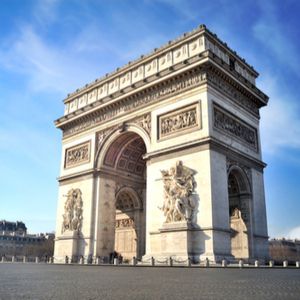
(239,213)
(123,196)
(128,227)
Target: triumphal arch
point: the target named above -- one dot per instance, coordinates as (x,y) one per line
(162,157)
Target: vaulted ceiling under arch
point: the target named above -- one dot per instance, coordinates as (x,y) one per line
(126,154)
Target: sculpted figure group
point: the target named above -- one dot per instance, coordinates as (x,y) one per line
(72,218)
(179,203)
(180,121)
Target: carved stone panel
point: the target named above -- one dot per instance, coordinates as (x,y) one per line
(101,135)
(179,121)
(144,122)
(229,124)
(179,201)
(78,155)
(72,217)
(125,223)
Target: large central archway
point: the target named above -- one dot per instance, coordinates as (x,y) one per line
(122,196)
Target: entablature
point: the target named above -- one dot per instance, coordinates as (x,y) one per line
(189,49)
(206,71)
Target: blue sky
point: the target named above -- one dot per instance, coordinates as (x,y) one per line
(50,48)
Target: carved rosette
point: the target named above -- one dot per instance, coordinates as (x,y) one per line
(179,201)
(73,212)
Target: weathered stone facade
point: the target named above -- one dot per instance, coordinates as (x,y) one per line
(166,154)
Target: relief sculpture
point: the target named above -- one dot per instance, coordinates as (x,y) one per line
(77,155)
(178,121)
(179,203)
(72,218)
(124,223)
(144,122)
(223,121)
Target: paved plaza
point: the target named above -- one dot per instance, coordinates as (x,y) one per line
(40,281)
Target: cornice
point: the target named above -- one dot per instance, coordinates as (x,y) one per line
(76,175)
(123,105)
(203,70)
(160,61)
(202,29)
(238,81)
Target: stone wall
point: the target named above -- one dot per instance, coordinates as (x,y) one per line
(284,249)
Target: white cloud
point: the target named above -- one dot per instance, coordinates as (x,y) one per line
(45,11)
(182,8)
(294,233)
(52,67)
(270,31)
(280,123)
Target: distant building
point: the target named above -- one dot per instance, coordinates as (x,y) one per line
(15,241)
(284,249)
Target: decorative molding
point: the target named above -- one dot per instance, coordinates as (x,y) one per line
(135,102)
(101,135)
(78,155)
(229,124)
(175,53)
(247,170)
(179,121)
(125,223)
(136,188)
(222,83)
(144,122)
(72,218)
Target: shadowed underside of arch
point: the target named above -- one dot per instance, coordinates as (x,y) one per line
(237,182)
(126,154)
(239,212)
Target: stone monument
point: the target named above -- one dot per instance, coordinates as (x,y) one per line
(162,158)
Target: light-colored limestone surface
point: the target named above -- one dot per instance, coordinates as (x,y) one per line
(175,133)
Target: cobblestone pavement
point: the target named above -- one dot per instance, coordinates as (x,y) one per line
(40,281)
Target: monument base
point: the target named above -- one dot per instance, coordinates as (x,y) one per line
(66,245)
(176,240)
(183,240)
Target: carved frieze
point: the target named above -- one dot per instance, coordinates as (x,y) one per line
(137,101)
(72,217)
(236,128)
(179,121)
(78,155)
(125,223)
(179,201)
